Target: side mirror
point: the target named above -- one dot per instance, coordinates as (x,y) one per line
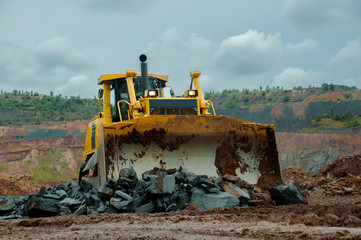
(171,93)
(100,93)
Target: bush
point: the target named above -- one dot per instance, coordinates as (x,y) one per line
(352,123)
(285,99)
(229,104)
(318,117)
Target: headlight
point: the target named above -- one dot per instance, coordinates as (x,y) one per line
(151,93)
(191,93)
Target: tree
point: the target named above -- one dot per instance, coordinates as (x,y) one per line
(325,87)
(51,93)
(229,104)
(286,98)
(352,123)
(332,87)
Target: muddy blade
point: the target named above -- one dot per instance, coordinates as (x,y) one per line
(211,145)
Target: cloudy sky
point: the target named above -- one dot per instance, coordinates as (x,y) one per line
(64,46)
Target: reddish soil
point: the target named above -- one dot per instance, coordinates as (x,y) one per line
(9,189)
(321,218)
(343,177)
(332,211)
(23,185)
(17,186)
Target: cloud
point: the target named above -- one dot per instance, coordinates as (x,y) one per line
(250,53)
(292,76)
(44,68)
(306,45)
(246,60)
(125,6)
(343,68)
(352,82)
(348,58)
(16,64)
(78,85)
(59,53)
(345,65)
(310,14)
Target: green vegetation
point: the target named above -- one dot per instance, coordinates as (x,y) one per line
(234,98)
(19,108)
(2,168)
(333,121)
(52,166)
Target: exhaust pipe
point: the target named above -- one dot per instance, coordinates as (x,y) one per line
(144,72)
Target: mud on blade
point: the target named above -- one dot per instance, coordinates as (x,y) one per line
(211,145)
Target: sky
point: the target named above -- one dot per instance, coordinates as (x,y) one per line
(64,46)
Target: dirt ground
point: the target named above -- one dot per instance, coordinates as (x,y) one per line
(331,217)
(332,211)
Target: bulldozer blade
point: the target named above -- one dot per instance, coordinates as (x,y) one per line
(210,145)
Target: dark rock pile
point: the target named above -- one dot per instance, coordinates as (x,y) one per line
(158,191)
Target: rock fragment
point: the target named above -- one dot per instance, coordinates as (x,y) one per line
(146,208)
(160,190)
(168,184)
(42,207)
(205,200)
(286,194)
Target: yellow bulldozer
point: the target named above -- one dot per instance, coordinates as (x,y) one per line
(144,125)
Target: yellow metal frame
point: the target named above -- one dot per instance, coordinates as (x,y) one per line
(137,107)
(110,77)
(120,114)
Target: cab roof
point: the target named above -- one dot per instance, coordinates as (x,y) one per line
(111,77)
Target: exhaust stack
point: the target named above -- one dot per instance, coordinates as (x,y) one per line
(144,72)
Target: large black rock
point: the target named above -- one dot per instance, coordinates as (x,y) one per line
(286,194)
(42,207)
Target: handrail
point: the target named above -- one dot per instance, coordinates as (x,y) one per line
(120,114)
(214,113)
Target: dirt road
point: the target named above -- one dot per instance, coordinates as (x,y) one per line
(321,218)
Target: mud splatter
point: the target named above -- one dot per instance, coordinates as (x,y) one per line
(158,136)
(109,143)
(269,165)
(226,160)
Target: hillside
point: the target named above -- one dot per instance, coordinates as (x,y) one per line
(234,98)
(295,117)
(48,151)
(26,108)
(312,129)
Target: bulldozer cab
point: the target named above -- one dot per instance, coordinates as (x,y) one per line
(119,93)
(142,128)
